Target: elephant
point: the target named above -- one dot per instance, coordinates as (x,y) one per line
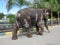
(27,18)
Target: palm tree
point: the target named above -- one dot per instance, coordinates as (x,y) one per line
(54,6)
(51,4)
(58,13)
(58,9)
(35,3)
(19,3)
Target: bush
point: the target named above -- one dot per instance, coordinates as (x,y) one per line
(11,18)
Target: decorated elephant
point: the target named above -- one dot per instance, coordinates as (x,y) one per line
(29,17)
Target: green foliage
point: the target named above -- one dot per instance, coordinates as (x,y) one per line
(19,3)
(57,7)
(10,4)
(58,1)
(1,15)
(11,17)
(53,5)
(50,4)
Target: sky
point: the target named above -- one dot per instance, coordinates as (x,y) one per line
(13,10)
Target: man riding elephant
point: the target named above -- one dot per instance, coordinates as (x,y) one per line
(27,18)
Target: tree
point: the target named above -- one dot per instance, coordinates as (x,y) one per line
(58,8)
(58,1)
(50,4)
(54,6)
(19,3)
(1,15)
(11,17)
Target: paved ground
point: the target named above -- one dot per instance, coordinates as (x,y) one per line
(52,38)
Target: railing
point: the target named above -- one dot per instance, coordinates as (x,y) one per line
(55,22)
(5,26)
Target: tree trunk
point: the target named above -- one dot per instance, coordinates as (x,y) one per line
(51,19)
(58,17)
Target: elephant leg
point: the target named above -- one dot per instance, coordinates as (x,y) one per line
(46,25)
(47,28)
(41,31)
(29,34)
(14,36)
(37,30)
(41,27)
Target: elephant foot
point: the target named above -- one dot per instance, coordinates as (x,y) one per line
(37,33)
(48,31)
(40,34)
(29,35)
(14,37)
